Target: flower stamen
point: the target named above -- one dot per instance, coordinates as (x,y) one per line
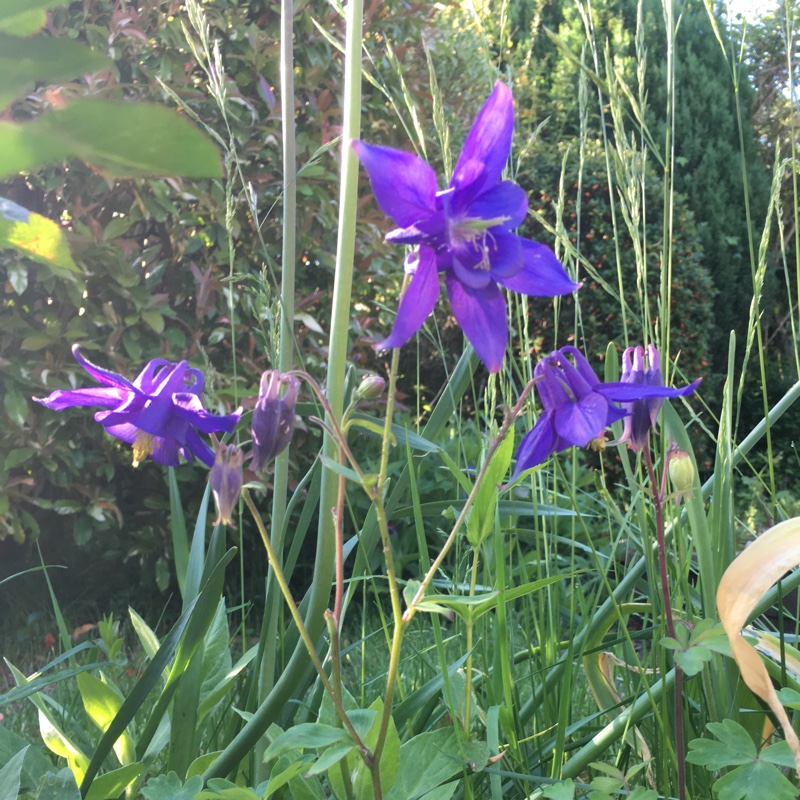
(143,446)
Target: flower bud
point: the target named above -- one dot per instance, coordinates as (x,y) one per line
(226,481)
(273,417)
(681,473)
(370,388)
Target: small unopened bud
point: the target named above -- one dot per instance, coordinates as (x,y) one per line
(370,388)
(681,473)
(273,417)
(226,481)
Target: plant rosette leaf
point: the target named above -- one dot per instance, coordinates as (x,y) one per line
(756,775)
(170,787)
(690,648)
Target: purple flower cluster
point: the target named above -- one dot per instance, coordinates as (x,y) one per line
(577,407)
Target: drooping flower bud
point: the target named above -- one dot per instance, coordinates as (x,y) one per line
(226,481)
(273,416)
(681,473)
(370,388)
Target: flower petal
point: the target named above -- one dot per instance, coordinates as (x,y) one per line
(506,200)
(64,398)
(488,144)
(579,423)
(101,375)
(542,274)
(189,407)
(628,392)
(537,445)
(197,447)
(481,313)
(404,185)
(417,302)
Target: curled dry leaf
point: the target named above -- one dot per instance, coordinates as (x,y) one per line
(744,583)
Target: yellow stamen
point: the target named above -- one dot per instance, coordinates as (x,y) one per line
(142,447)
(598,444)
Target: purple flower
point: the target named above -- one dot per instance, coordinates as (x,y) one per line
(642,369)
(160,414)
(577,407)
(465,232)
(226,481)
(273,416)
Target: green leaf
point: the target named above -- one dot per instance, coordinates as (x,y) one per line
(305,735)
(102,703)
(755,781)
(10,775)
(426,761)
(59,786)
(114,783)
(24,17)
(121,139)
(560,791)
(16,407)
(481,521)
(340,469)
(734,747)
(33,235)
(25,61)
(170,787)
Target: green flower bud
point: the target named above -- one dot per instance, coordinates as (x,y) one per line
(370,388)
(681,473)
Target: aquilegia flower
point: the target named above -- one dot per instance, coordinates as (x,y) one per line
(226,481)
(273,416)
(465,232)
(642,368)
(577,407)
(160,414)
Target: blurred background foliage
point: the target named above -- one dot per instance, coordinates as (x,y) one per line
(164,262)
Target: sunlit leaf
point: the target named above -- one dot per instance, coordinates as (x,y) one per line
(33,235)
(120,139)
(744,583)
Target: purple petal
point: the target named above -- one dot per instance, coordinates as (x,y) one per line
(505,200)
(99,374)
(542,274)
(579,423)
(628,392)
(199,448)
(417,302)
(488,144)
(505,253)
(404,185)
(61,399)
(537,446)
(481,313)
(189,407)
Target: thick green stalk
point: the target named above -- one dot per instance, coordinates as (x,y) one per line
(319,594)
(285,346)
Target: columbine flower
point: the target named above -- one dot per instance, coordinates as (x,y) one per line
(273,416)
(226,481)
(465,232)
(159,414)
(642,369)
(577,407)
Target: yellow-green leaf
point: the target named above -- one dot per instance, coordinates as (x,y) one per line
(35,236)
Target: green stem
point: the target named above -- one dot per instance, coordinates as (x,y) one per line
(301,628)
(286,340)
(496,442)
(476,554)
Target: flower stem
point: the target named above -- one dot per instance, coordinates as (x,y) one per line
(496,442)
(476,553)
(304,635)
(658,502)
